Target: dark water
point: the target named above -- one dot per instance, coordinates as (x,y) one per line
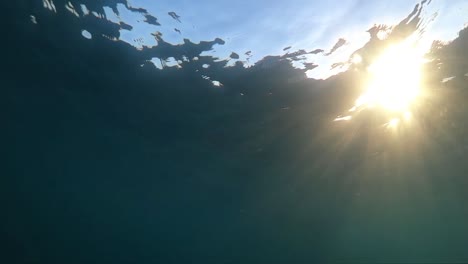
(106,159)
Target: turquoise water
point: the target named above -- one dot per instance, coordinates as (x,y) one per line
(118,152)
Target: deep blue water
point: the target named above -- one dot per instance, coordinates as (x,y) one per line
(107,159)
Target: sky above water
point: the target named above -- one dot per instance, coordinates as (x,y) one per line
(267,27)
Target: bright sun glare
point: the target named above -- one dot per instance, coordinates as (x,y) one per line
(394,79)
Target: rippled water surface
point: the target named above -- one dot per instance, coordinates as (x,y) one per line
(234,131)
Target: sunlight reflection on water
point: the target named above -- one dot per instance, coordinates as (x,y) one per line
(393,80)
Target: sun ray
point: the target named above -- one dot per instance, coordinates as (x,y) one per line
(394,79)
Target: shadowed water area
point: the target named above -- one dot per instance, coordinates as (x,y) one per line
(115,150)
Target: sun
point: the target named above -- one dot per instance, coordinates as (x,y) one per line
(394,79)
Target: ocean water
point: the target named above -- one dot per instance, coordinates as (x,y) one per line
(121,152)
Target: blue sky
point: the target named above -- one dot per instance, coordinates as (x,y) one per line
(265,27)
